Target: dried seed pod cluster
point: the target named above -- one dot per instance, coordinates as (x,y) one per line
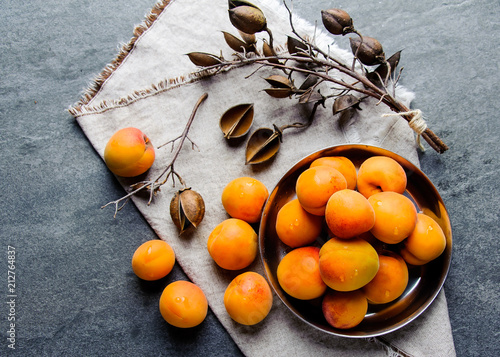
(370,75)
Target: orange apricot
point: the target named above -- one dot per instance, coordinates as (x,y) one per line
(315,185)
(395,216)
(248,298)
(129,153)
(380,174)
(183,304)
(390,281)
(425,243)
(244,198)
(341,163)
(153,260)
(348,214)
(344,310)
(298,274)
(233,244)
(295,226)
(347,265)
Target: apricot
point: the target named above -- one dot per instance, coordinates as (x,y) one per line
(344,310)
(395,216)
(298,274)
(390,281)
(315,185)
(425,243)
(248,298)
(129,153)
(380,174)
(347,265)
(244,198)
(348,214)
(341,163)
(153,260)
(233,244)
(183,304)
(295,226)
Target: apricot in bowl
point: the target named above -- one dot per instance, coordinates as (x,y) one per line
(424,282)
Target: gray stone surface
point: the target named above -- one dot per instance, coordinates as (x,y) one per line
(76,294)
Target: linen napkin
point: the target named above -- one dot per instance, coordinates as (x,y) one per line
(151,86)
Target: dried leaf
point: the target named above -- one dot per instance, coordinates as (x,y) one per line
(237,120)
(262,145)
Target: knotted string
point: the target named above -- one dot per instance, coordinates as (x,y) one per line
(417,123)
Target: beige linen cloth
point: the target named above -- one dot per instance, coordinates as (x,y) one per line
(149,86)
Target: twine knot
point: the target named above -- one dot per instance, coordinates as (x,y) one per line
(417,123)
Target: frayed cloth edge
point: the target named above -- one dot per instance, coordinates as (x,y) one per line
(99,81)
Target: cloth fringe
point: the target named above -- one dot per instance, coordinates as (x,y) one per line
(98,82)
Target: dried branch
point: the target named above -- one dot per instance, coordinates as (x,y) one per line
(307,58)
(153,186)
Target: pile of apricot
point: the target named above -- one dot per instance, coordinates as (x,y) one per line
(374,233)
(233,245)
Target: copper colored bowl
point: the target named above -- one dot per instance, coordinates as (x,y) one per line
(425,282)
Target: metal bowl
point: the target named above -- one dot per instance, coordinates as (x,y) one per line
(425,282)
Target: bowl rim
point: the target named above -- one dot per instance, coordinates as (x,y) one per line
(369,150)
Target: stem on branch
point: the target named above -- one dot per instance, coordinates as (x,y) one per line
(153,186)
(367,88)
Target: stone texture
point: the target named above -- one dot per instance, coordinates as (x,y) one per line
(75,295)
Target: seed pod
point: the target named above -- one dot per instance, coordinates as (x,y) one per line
(345,102)
(382,70)
(309,82)
(310,96)
(296,47)
(279,92)
(278,81)
(237,120)
(369,52)
(268,51)
(263,145)
(204,59)
(235,3)
(237,44)
(187,209)
(248,19)
(337,21)
(248,38)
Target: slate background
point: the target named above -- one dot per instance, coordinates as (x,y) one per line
(76,293)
